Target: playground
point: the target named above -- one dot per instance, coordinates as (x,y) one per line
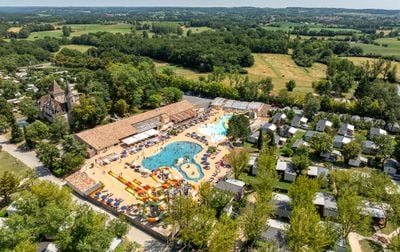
(140,180)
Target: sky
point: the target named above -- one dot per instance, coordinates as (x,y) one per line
(356,4)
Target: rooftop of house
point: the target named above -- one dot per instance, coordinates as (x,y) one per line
(230,185)
(81,181)
(110,134)
(324,123)
(341,139)
(325,199)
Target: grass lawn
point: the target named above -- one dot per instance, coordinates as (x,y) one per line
(80,48)
(358,61)
(390,227)
(281,186)
(191,74)
(393,47)
(9,163)
(79,29)
(370,246)
(281,68)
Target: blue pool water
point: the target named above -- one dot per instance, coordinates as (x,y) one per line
(173,152)
(216,131)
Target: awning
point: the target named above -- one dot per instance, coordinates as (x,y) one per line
(151,132)
(130,140)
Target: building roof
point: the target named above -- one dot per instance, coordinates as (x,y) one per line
(110,134)
(230,185)
(269,126)
(310,133)
(297,119)
(284,166)
(367,144)
(56,89)
(325,199)
(298,143)
(279,116)
(218,101)
(345,127)
(391,163)
(377,131)
(324,123)
(81,181)
(317,171)
(341,139)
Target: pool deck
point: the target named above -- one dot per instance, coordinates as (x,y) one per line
(100,173)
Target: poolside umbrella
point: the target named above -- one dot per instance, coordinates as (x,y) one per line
(110,200)
(204,158)
(116,204)
(123,208)
(98,193)
(104,197)
(207,163)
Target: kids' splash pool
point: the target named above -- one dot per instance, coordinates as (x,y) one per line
(179,155)
(216,131)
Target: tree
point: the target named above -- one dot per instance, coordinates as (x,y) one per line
(58,129)
(254,220)
(26,246)
(72,145)
(311,106)
(48,154)
(16,133)
(171,94)
(260,141)
(309,234)
(66,31)
(301,162)
(224,235)
(349,215)
(385,146)
(239,127)
(155,100)
(394,244)
(121,107)
(214,198)
(36,132)
(86,231)
(9,184)
(290,85)
(118,227)
(181,212)
(267,174)
(88,113)
(29,109)
(42,208)
(239,160)
(4,124)
(302,192)
(321,143)
(396,151)
(266,86)
(351,150)
(199,229)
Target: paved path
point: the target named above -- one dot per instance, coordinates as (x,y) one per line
(148,242)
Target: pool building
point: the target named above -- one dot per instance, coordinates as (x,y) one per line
(105,136)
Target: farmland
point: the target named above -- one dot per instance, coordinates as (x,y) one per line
(80,48)
(79,29)
(393,47)
(362,60)
(281,68)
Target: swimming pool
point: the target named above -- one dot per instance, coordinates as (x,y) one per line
(176,155)
(217,131)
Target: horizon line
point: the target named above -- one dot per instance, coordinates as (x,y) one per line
(183,6)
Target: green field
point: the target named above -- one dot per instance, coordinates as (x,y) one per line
(393,47)
(80,48)
(359,61)
(9,163)
(280,67)
(79,29)
(286,26)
